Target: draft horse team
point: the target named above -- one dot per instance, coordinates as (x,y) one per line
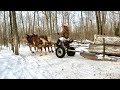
(38,42)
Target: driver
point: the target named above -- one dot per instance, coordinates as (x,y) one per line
(65,34)
(65,31)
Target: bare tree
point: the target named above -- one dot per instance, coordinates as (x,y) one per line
(22,20)
(56,20)
(16,38)
(47,20)
(11,31)
(50,16)
(5,32)
(33,22)
(38,22)
(103,22)
(82,25)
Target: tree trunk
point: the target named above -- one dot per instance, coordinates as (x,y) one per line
(29,29)
(56,21)
(11,31)
(47,23)
(68,17)
(119,23)
(5,32)
(97,22)
(33,23)
(103,21)
(63,17)
(82,23)
(38,23)
(26,23)
(50,15)
(16,38)
(100,22)
(22,20)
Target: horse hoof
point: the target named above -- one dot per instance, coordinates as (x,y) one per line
(33,52)
(52,51)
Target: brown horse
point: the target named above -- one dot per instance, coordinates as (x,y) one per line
(33,41)
(47,42)
(38,42)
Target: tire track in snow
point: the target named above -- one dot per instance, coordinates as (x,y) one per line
(35,59)
(32,71)
(43,62)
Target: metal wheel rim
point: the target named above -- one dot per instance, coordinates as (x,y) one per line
(59,52)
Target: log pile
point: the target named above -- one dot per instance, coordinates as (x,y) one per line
(112,45)
(98,40)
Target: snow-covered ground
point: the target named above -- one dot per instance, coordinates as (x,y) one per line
(33,66)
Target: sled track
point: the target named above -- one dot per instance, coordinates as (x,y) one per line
(36,61)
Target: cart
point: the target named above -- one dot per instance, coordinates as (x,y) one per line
(63,47)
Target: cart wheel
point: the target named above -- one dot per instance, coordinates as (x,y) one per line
(60,52)
(71,53)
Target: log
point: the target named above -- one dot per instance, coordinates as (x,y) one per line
(109,49)
(98,40)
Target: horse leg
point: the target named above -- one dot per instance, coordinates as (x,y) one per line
(54,46)
(45,48)
(51,45)
(52,49)
(48,49)
(35,48)
(41,49)
(31,48)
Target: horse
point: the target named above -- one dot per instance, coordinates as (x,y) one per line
(33,41)
(47,42)
(38,42)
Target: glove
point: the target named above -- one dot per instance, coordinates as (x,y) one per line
(71,41)
(57,33)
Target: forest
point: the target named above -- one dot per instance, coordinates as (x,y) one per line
(14,25)
(88,49)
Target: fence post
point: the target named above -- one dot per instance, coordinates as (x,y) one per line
(103,47)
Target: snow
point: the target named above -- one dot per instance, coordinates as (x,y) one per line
(63,39)
(33,66)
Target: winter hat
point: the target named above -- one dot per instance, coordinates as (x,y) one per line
(65,24)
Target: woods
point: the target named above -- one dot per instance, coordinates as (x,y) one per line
(59,44)
(14,25)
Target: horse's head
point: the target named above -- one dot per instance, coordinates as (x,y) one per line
(27,35)
(34,35)
(29,38)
